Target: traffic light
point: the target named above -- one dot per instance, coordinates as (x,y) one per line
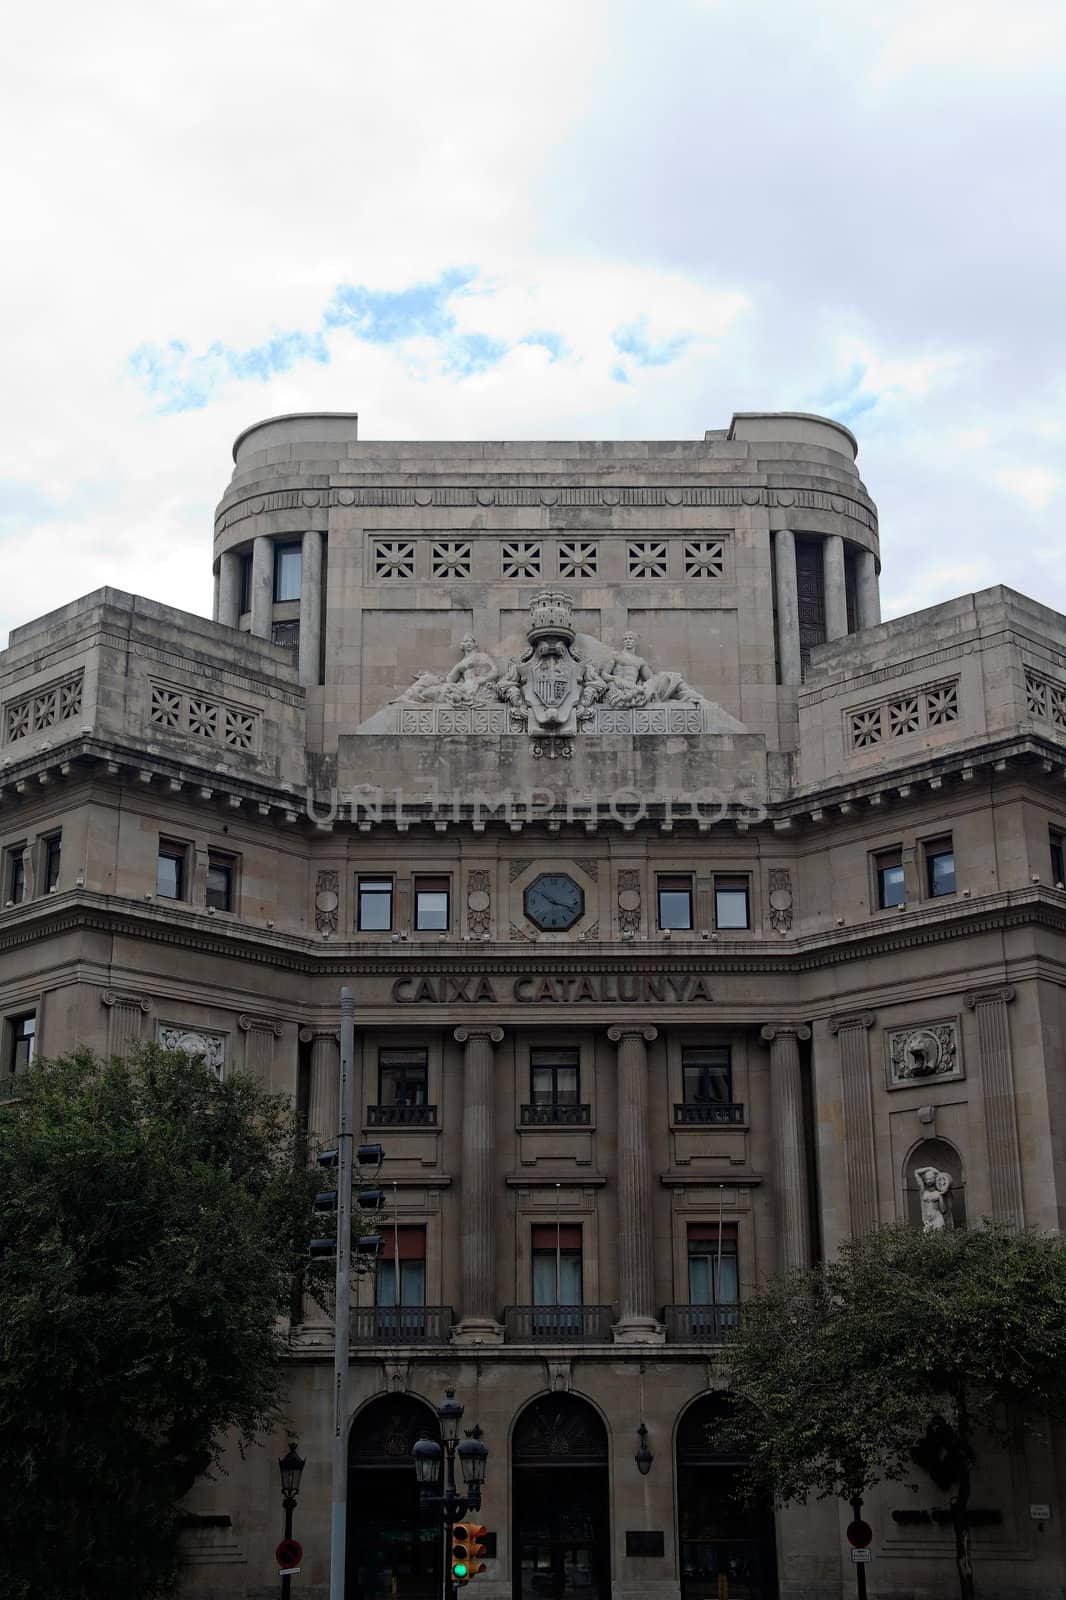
(467,1550)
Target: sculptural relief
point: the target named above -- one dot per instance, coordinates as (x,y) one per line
(919,1053)
(563,683)
(934,1196)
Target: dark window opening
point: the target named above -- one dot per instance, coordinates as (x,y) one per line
(23,1040)
(731,903)
(810,591)
(287,562)
(16,876)
(557,1277)
(712,1264)
(554,1077)
(940,868)
(431,904)
(375,905)
(401,1268)
(1058,860)
(221,880)
(403,1077)
(706,1075)
(170,871)
(52,855)
(891,890)
(244,604)
(675,901)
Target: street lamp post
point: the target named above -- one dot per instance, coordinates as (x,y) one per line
(291,1466)
(473,1457)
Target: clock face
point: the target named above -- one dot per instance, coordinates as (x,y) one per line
(554,902)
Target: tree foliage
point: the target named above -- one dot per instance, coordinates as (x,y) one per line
(953,1338)
(152,1225)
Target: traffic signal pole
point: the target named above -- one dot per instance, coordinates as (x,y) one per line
(342,1314)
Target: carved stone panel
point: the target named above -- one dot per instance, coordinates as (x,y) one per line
(629,901)
(928,1053)
(327,899)
(194,1042)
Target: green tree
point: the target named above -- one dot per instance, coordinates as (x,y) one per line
(152,1226)
(907,1342)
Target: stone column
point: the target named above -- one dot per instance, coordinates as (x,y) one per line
(860,1162)
(262,586)
(636,1284)
(989,1007)
(869,594)
(788,632)
(126,1017)
(478,1198)
(229,589)
(260,1034)
(790,1161)
(310,607)
(323,1101)
(835,584)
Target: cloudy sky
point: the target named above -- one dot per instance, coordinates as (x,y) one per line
(498,218)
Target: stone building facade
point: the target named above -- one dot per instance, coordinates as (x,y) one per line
(690,912)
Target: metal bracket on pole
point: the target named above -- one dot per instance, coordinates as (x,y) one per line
(343,1307)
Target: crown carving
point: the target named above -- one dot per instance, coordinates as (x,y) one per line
(551,613)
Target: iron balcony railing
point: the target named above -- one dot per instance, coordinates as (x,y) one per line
(402,1116)
(557,1324)
(401,1325)
(711,1112)
(557,1113)
(699,1324)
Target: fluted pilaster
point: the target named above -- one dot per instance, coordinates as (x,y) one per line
(323,1101)
(125,1020)
(860,1162)
(790,1158)
(478,1318)
(989,1007)
(636,1283)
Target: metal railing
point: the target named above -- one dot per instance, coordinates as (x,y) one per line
(713,1112)
(400,1116)
(559,1113)
(699,1324)
(558,1324)
(401,1325)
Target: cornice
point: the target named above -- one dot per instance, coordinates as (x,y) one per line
(76,909)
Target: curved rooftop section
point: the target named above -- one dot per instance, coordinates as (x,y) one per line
(793,427)
(298,427)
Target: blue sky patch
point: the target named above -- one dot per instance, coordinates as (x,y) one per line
(633,339)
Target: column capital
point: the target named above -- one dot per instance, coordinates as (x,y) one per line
(1000,994)
(461,1035)
(308,1035)
(247,1022)
(140,1002)
(852,1019)
(784,1030)
(617,1034)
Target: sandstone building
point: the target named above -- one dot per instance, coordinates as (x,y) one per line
(690,912)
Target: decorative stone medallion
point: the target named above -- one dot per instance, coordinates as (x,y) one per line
(194,1042)
(923,1054)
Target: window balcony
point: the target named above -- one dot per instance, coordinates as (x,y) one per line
(403,1325)
(399,1116)
(699,1324)
(558,1324)
(708,1113)
(556,1113)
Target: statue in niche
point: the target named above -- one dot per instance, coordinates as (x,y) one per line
(632,682)
(934,1195)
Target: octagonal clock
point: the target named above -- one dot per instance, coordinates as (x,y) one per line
(554,902)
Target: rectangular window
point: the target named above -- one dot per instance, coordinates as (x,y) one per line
(712,1264)
(51,851)
(431,904)
(401,1267)
(375,905)
(554,1077)
(403,1077)
(557,1264)
(221,880)
(245,602)
(14,876)
(22,1041)
(731,907)
(675,901)
(939,868)
(706,1075)
(1058,859)
(170,870)
(888,866)
(287,562)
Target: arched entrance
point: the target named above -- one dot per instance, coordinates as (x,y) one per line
(726,1542)
(561,1516)
(394,1548)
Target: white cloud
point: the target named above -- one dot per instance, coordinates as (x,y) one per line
(1035,486)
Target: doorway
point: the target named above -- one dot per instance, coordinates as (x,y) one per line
(561,1516)
(394,1546)
(726,1541)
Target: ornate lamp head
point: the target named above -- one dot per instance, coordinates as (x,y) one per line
(551,614)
